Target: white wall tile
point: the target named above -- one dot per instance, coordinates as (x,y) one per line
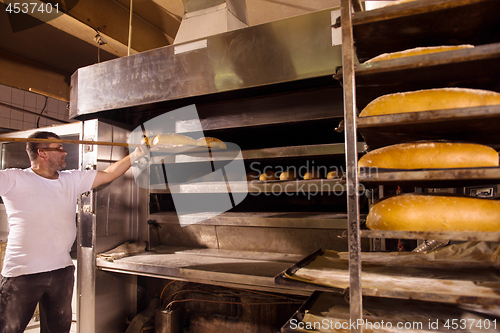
(63,108)
(17,97)
(16,124)
(28,125)
(4,112)
(30,118)
(52,105)
(19,120)
(5,94)
(30,101)
(16,115)
(40,102)
(5,122)
(51,113)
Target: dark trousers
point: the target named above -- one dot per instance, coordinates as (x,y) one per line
(52,290)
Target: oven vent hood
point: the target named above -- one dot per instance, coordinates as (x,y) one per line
(203,18)
(237,63)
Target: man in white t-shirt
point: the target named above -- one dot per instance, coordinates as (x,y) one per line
(40,202)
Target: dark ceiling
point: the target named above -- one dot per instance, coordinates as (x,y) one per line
(65,42)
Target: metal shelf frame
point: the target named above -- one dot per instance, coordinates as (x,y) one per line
(367,31)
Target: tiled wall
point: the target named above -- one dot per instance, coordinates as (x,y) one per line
(15,120)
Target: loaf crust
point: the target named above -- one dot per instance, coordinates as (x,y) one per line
(211,142)
(172,140)
(430,99)
(268,175)
(312,174)
(415,212)
(430,155)
(418,51)
(289,175)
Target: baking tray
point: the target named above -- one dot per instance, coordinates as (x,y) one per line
(435,281)
(299,314)
(283,279)
(413,316)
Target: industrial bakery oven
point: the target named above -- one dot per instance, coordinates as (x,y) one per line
(266,91)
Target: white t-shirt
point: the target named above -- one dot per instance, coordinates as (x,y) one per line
(41,214)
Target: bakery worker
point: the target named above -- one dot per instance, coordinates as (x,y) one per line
(41,203)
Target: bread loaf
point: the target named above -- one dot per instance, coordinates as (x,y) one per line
(334,174)
(268,175)
(290,174)
(430,99)
(415,212)
(312,174)
(211,142)
(172,140)
(418,51)
(430,155)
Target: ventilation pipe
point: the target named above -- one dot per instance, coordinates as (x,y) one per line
(203,18)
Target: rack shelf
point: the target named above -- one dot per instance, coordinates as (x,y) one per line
(470,68)
(323,150)
(286,186)
(330,311)
(243,269)
(396,28)
(432,178)
(475,124)
(407,25)
(271,153)
(316,220)
(403,276)
(458,236)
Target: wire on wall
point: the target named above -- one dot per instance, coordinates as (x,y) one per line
(43,109)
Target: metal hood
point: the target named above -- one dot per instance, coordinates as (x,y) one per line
(203,18)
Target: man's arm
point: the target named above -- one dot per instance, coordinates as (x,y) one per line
(117,169)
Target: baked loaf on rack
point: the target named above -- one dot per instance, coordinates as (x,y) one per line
(334,174)
(268,175)
(312,174)
(430,99)
(290,174)
(430,155)
(416,212)
(172,140)
(418,51)
(211,142)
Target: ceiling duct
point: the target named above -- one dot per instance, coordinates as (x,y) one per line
(203,18)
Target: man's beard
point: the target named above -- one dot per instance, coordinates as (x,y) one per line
(59,164)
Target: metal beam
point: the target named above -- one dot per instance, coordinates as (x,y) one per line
(349,84)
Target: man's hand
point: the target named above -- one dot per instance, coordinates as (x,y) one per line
(140,151)
(117,169)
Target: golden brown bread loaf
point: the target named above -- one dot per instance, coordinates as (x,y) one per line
(416,212)
(172,140)
(334,174)
(430,99)
(290,174)
(312,174)
(268,175)
(211,142)
(430,155)
(418,51)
